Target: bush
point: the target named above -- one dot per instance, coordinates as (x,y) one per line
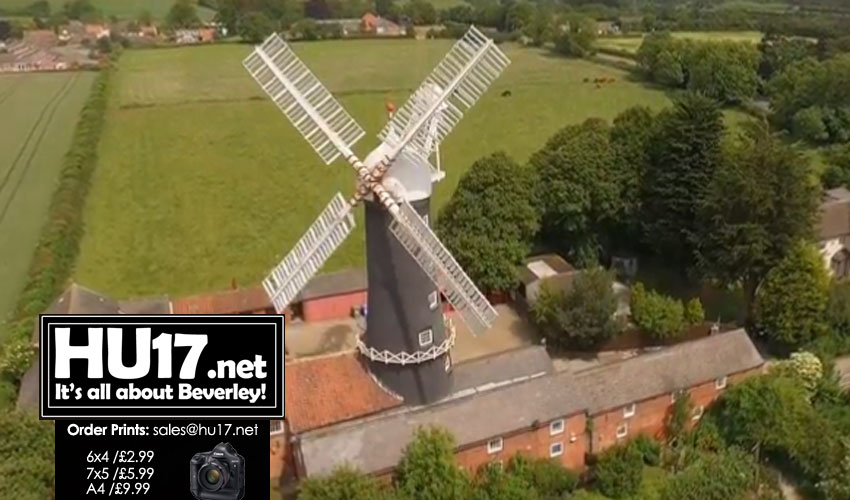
(548,477)
(808,124)
(344,483)
(619,471)
(16,357)
(663,317)
(724,476)
(649,448)
(838,308)
(8,393)
(26,456)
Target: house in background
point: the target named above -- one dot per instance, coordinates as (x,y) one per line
(607,28)
(833,231)
(42,39)
(375,25)
(348,27)
(192,36)
(95,32)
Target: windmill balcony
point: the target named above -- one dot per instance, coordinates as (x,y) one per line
(409,358)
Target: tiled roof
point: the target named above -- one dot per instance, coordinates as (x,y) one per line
(674,368)
(228,302)
(835,214)
(331,389)
(501,367)
(376,444)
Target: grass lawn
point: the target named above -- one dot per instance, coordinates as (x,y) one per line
(125,9)
(632,43)
(38,113)
(202,180)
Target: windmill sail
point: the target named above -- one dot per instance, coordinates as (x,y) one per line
(303,99)
(454,86)
(326,234)
(422,244)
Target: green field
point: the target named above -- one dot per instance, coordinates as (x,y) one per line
(632,43)
(38,113)
(125,9)
(202,180)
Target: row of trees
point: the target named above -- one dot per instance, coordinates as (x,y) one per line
(726,71)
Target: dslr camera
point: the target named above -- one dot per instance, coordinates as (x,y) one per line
(218,474)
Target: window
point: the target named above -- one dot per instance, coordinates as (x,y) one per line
(720,383)
(629,411)
(697,413)
(276,427)
(556,427)
(426,338)
(494,445)
(433,300)
(448,362)
(623,431)
(556,449)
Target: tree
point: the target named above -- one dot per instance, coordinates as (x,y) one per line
(584,316)
(669,70)
(779,52)
(808,124)
(680,416)
(618,473)
(494,483)
(725,71)
(81,10)
(490,222)
(5,29)
(662,317)
(255,27)
(575,192)
(540,29)
(384,7)
(145,18)
(182,14)
(630,136)
(838,309)
(683,157)
(344,483)
(837,172)
(763,413)
(578,37)
(420,12)
(791,303)
(776,204)
(802,366)
(317,9)
(724,476)
(427,470)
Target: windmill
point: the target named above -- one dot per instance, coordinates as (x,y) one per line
(407,339)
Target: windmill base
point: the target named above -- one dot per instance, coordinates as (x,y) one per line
(403,308)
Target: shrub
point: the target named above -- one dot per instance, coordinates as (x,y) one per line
(16,357)
(26,456)
(649,448)
(344,483)
(548,477)
(662,317)
(618,472)
(722,476)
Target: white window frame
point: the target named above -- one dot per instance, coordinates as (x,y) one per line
(625,427)
(556,427)
(448,365)
(721,382)
(629,411)
(279,430)
(433,299)
(697,412)
(495,445)
(559,445)
(429,339)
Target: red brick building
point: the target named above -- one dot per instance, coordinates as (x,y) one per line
(514,402)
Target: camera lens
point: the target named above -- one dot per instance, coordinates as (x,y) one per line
(213,476)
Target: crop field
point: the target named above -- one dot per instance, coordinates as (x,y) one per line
(632,43)
(201,179)
(125,9)
(38,113)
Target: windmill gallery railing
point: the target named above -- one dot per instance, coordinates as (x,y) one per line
(408,358)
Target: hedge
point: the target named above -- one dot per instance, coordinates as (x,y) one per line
(56,253)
